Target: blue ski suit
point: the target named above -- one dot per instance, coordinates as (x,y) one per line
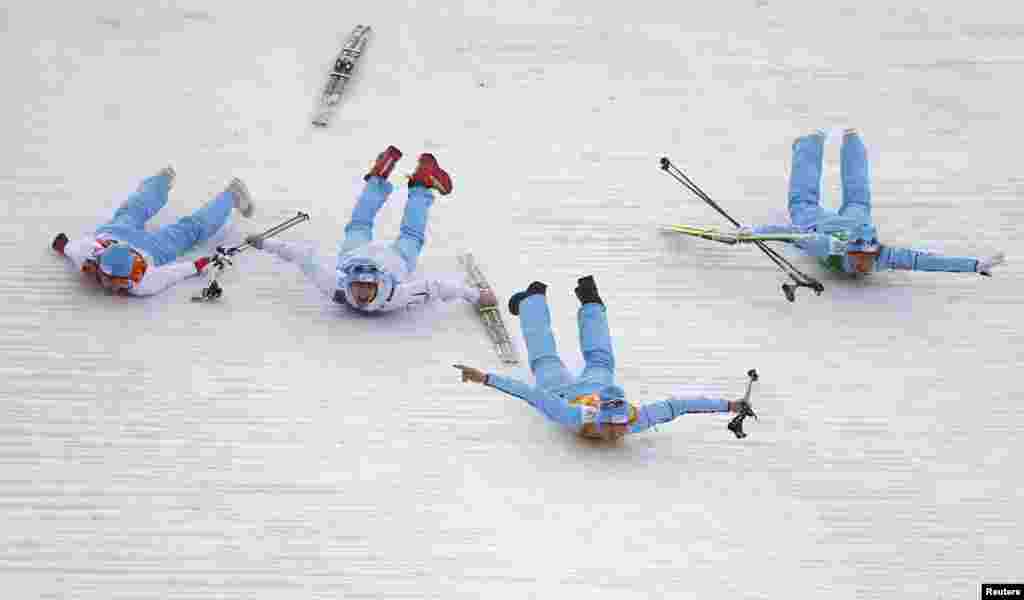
(835,231)
(569,401)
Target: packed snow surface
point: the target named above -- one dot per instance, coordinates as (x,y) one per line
(273,446)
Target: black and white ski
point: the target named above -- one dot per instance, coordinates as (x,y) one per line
(490,315)
(341,72)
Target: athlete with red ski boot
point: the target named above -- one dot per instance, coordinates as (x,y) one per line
(372,276)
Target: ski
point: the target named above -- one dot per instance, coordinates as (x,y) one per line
(344,67)
(732,238)
(490,315)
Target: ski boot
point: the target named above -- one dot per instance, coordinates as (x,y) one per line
(169,172)
(243,200)
(535,288)
(385,163)
(430,175)
(586,290)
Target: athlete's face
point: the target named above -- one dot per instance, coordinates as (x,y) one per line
(614,431)
(861,262)
(113,284)
(364,292)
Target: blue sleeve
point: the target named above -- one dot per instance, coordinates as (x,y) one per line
(764,229)
(913,260)
(667,410)
(819,246)
(548,404)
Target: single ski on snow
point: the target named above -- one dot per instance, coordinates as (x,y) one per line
(490,315)
(732,238)
(341,72)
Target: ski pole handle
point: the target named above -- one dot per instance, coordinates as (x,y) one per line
(752,374)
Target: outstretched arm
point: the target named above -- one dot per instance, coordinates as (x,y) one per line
(673,407)
(422,291)
(765,229)
(818,245)
(305,257)
(77,251)
(158,279)
(549,405)
(914,260)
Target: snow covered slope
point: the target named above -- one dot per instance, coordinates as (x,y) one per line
(269,447)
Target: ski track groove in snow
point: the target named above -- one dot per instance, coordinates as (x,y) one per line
(272,446)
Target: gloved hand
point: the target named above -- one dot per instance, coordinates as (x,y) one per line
(201,263)
(59,242)
(471,374)
(254,240)
(985,266)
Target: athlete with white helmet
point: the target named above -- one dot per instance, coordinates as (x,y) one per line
(373,276)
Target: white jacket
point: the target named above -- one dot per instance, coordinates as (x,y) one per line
(403,295)
(154,280)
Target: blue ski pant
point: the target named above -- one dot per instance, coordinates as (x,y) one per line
(412,233)
(595,342)
(805,180)
(170,241)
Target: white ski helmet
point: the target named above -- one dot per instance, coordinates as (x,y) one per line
(364,273)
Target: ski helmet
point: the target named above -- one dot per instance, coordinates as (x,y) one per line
(120,267)
(360,273)
(613,408)
(117,261)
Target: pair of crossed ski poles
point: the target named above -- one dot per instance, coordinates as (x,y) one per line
(220,260)
(799,278)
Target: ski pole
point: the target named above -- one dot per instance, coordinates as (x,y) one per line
(220,261)
(800,279)
(298,218)
(736,424)
(682,178)
(677,173)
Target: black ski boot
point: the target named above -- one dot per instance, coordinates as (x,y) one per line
(535,288)
(586,290)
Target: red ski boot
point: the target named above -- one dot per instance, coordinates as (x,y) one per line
(386,161)
(430,175)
